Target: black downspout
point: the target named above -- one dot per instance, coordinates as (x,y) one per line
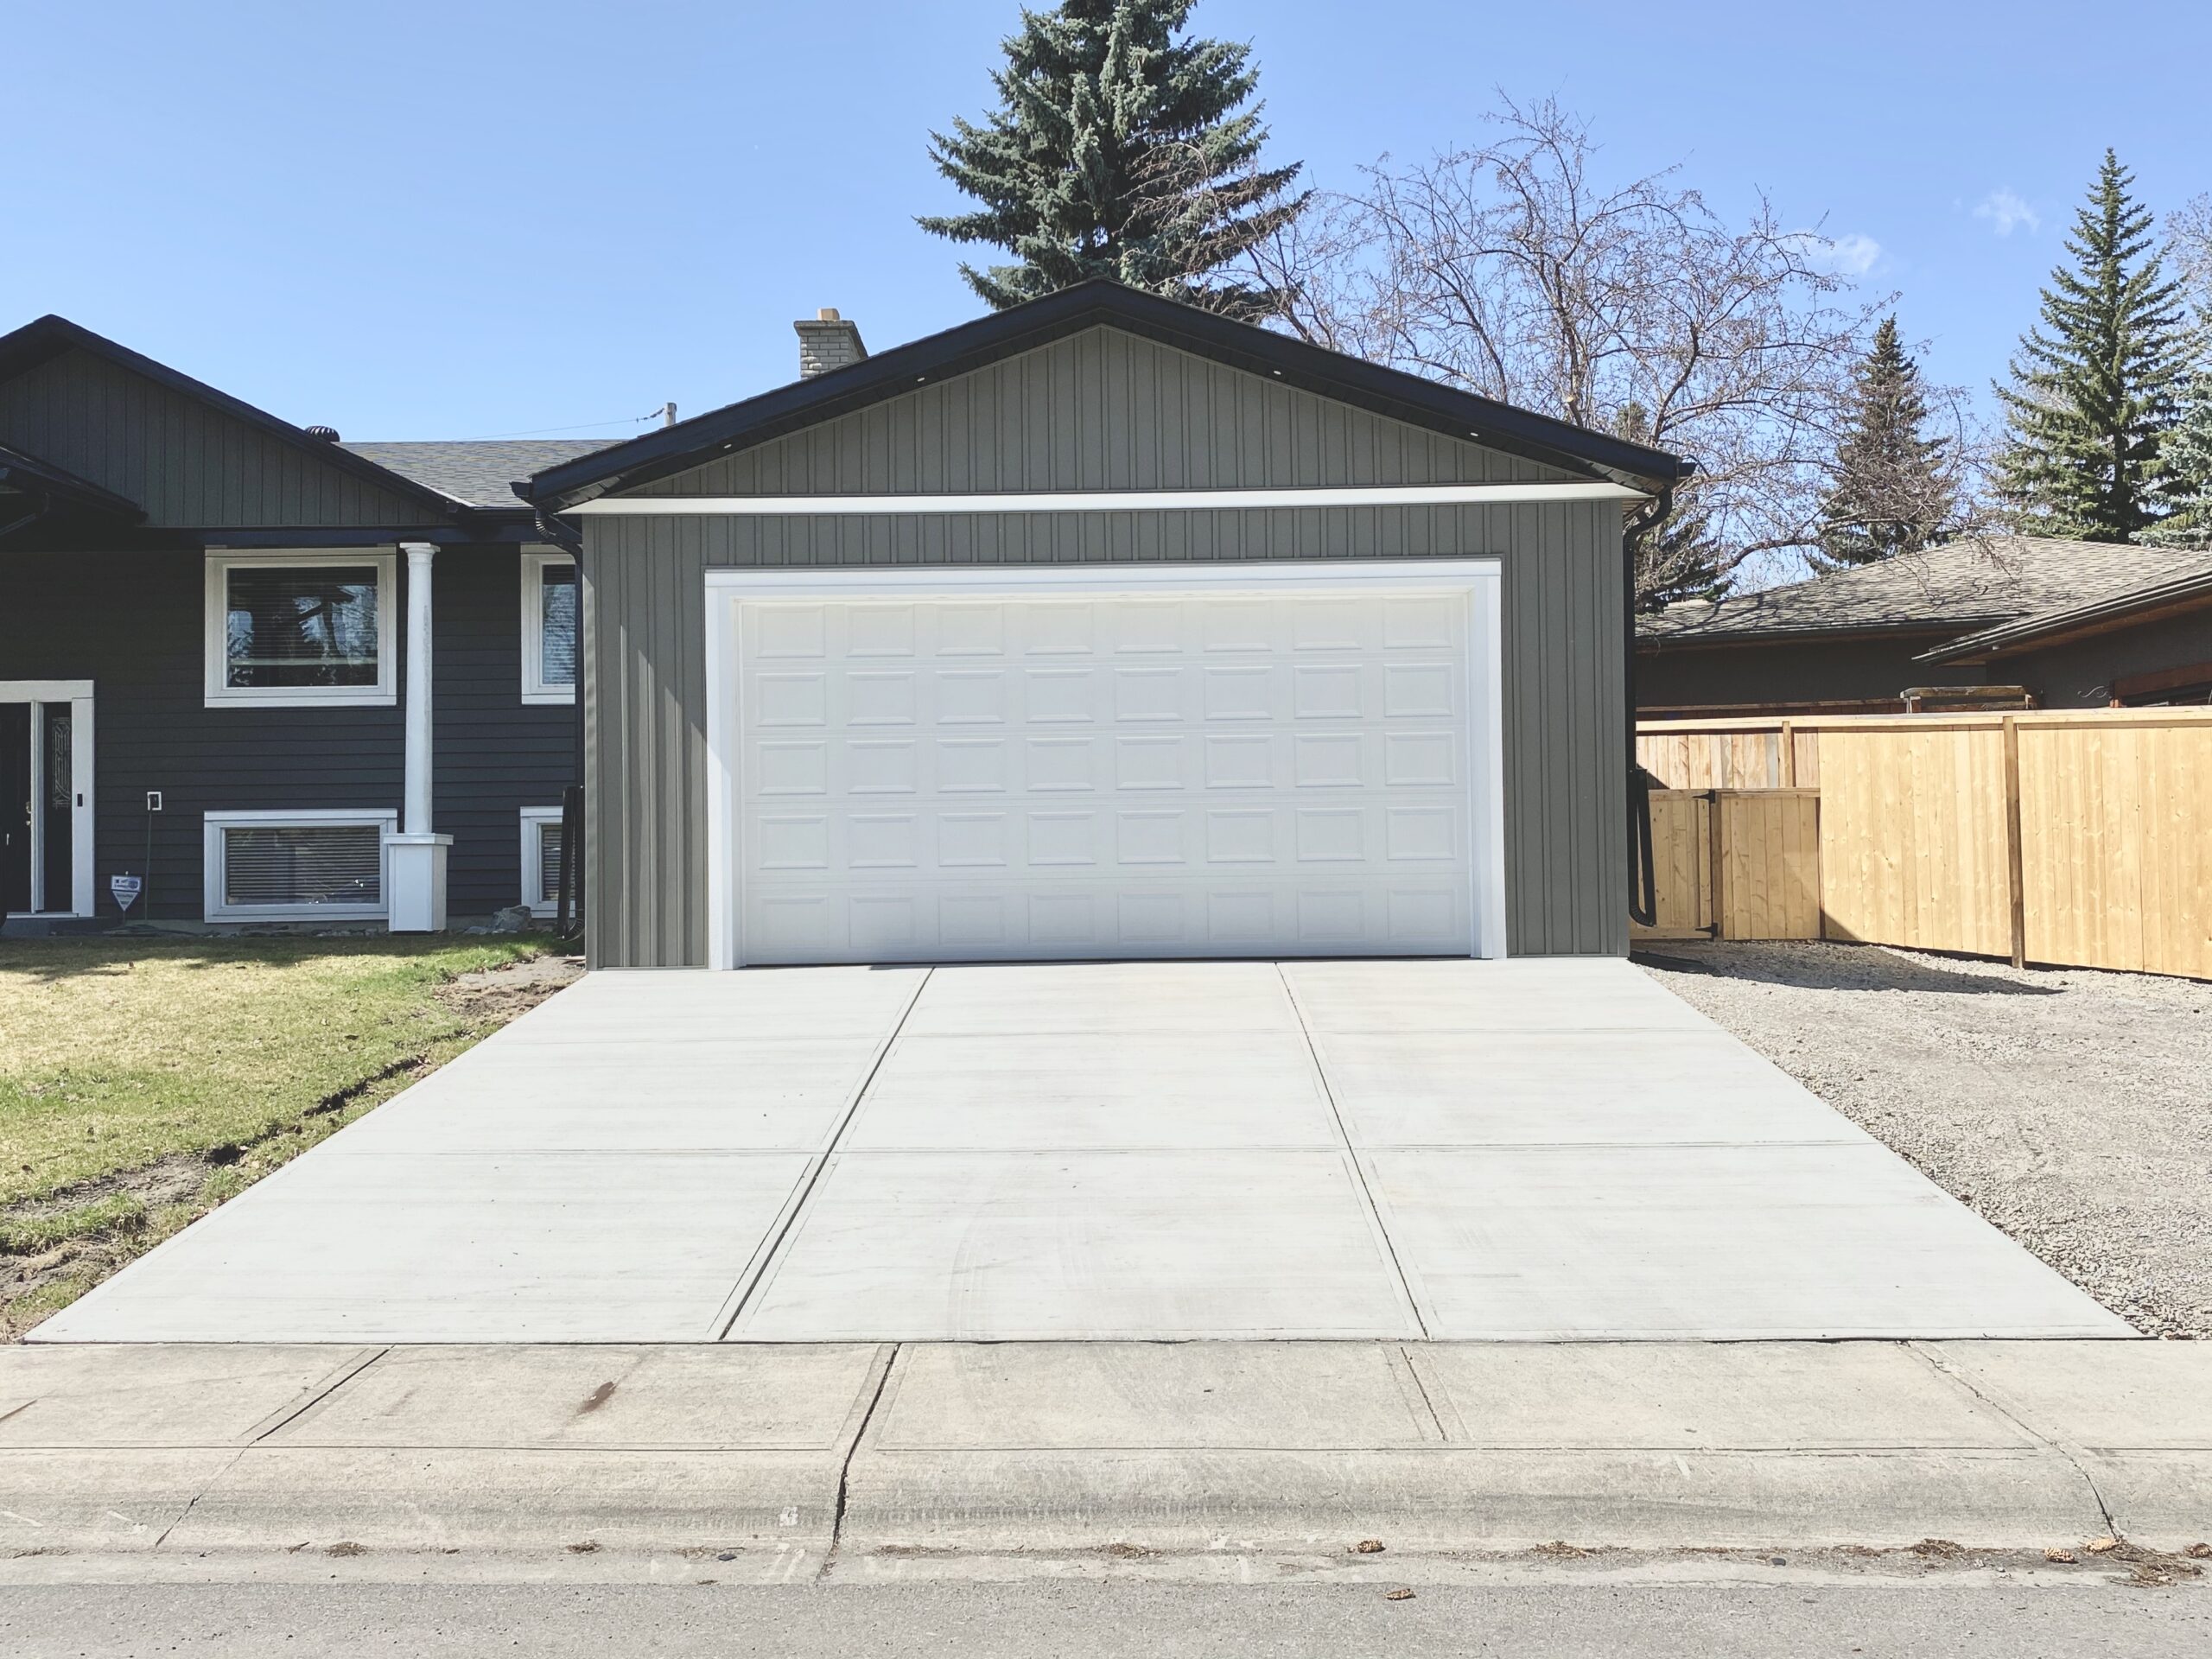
(1644,894)
(568,909)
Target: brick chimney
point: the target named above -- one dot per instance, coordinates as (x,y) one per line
(827,341)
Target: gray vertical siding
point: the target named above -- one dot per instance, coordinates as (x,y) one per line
(1101,410)
(184,461)
(1565,754)
(1105,410)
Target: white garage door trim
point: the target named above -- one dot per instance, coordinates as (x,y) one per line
(1476,579)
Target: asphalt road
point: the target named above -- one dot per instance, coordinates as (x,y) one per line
(1094,1621)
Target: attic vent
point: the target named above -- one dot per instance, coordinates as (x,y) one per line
(323,434)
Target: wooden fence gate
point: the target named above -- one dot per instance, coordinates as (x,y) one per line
(2075,838)
(1736,864)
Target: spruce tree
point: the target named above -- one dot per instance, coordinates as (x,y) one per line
(1892,489)
(2091,398)
(1117,150)
(1676,558)
(2185,458)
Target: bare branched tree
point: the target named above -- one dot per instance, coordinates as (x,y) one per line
(1510,269)
(2188,250)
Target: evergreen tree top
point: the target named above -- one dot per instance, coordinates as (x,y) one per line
(1893,488)
(1119,149)
(2094,382)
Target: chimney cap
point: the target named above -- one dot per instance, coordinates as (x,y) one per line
(828,314)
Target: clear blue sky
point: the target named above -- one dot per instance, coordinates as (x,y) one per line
(463,219)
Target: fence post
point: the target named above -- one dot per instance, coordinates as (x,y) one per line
(2014,873)
(1714,852)
(1788,756)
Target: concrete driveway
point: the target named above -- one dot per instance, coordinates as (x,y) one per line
(1545,1150)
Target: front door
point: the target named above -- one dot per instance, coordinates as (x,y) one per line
(16,806)
(57,791)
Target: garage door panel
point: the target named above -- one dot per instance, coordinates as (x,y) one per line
(941,780)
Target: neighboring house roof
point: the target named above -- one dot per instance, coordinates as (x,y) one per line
(1974,584)
(1385,391)
(477,472)
(26,475)
(2186,584)
(49,336)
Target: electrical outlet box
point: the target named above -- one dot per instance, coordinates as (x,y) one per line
(153,800)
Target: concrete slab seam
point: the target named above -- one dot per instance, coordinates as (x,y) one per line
(750,1284)
(2076,1458)
(888,1362)
(287,1414)
(1351,1154)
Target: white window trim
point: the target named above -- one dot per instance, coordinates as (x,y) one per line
(533,869)
(383,694)
(78,693)
(215,909)
(534,689)
(1479,579)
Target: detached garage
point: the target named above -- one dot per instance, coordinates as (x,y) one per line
(1103,627)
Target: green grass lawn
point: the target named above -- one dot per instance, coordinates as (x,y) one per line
(141,1081)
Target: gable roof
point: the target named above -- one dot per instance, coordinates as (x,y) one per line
(2185,583)
(26,475)
(1386,391)
(479,472)
(1950,589)
(50,336)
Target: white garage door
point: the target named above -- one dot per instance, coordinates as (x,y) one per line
(1276,770)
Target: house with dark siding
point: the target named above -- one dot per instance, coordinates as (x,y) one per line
(263,675)
(1099,627)
(1999,619)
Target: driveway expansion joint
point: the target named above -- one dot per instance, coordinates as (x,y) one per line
(2076,1456)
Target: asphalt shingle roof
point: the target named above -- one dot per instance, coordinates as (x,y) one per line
(478,472)
(1962,586)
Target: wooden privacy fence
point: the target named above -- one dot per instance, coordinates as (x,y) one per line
(2068,838)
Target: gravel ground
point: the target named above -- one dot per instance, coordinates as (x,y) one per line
(2070,1107)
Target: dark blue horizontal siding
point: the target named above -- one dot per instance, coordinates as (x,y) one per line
(132,624)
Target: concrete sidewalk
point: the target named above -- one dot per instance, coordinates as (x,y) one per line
(767,1462)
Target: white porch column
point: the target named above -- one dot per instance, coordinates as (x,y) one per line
(416,858)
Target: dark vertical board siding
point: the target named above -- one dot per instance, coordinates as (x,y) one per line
(1565,755)
(1101,410)
(185,463)
(1105,410)
(131,623)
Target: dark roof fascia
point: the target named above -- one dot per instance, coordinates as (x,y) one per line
(1841,635)
(49,336)
(1390,392)
(28,473)
(2051,627)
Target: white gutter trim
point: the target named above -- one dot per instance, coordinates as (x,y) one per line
(1394,495)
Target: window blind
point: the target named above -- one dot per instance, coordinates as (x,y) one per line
(300,625)
(557,633)
(303,864)
(548,864)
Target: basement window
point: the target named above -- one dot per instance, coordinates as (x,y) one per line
(301,629)
(541,858)
(296,866)
(549,627)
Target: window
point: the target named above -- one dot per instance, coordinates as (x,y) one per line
(541,858)
(296,866)
(549,627)
(300,628)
